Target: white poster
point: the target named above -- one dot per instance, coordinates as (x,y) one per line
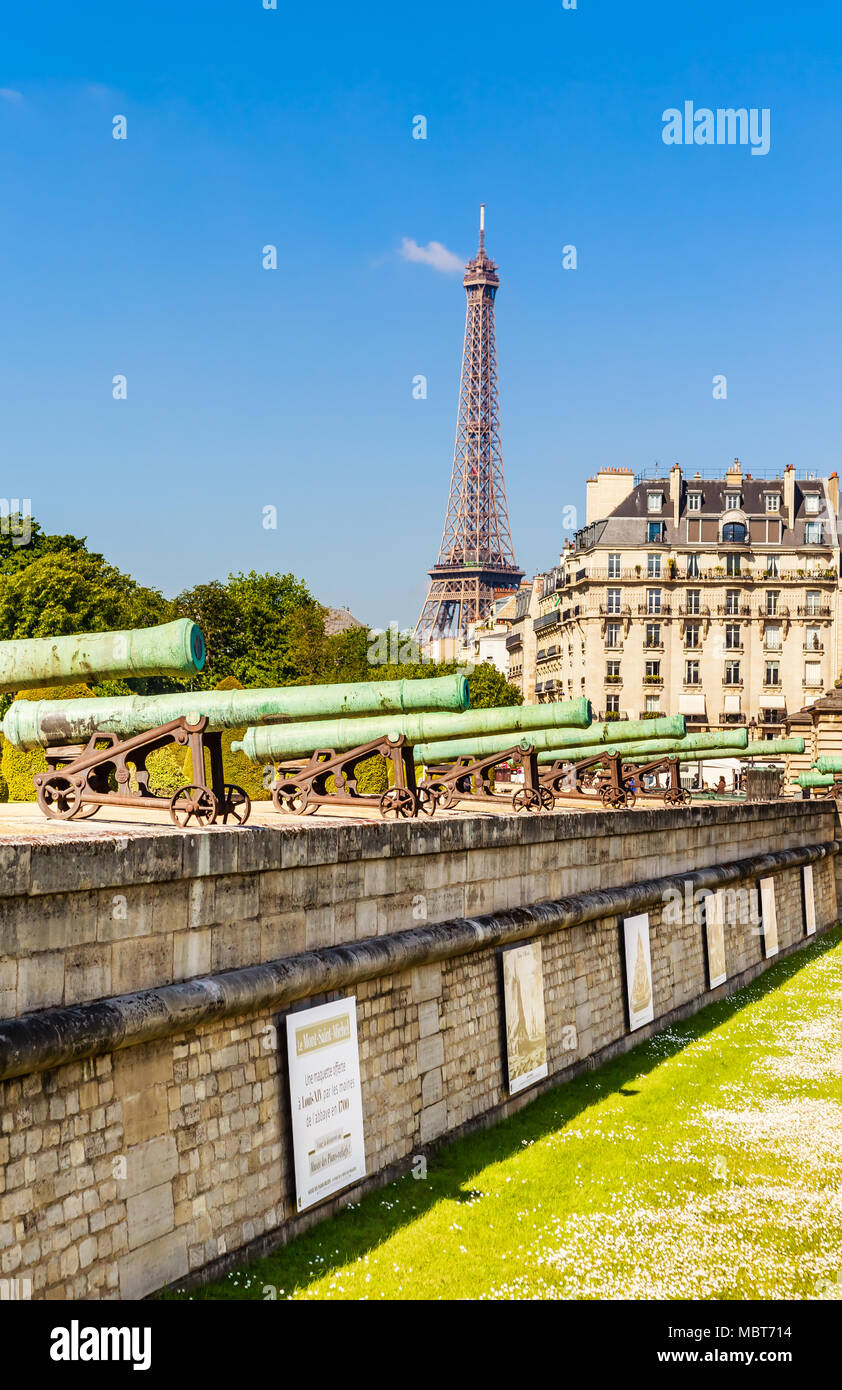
(809,900)
(325,1100)
(638,971)
(770,920)
(526,1033)
(715,931)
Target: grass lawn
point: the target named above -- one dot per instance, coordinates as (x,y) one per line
(705,1164)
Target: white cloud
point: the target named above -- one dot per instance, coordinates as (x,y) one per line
(433,254)
(9,94)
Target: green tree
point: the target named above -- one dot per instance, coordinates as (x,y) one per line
(263,629)
(490,689)
(66,591)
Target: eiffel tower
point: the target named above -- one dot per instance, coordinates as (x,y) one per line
(476,557)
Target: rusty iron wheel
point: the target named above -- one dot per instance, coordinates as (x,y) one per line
(526,799)
(293,799)
(547,798)
(236,803)
(400,802)
(194,803)
(427,802)
(59,797)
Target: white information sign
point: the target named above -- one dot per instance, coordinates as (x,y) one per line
(715,930)
(325,1100)
(809,900)
(770,917)
(638,971)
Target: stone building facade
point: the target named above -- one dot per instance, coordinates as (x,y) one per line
(713,598)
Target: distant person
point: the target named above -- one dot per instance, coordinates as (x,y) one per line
(720,787)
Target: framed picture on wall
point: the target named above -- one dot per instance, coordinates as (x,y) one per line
(526,1030)
(769,916)
(715,936)
(809,900)
(639,989)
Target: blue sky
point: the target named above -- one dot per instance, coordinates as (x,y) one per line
(293,387)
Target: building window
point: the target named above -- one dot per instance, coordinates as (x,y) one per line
(614,565)
(773,501)
(691,635)
(773,532)
(656,531)
(812,673)
(812,639)
(653,670)
(653,704)
(694,501)
(692,566)
(653,600)
(693,598)
(613,600)
(732,565)
(612,671)
(654,501)
(773,567)
(813,533)
(653,566)
(773,638)
(732,636)
(612,704)
(811,503)
(734,533)
(653,634)
(612,634)
(691,673)
(772,597)
(813,598)
(732,673)
(772,674)
(732,501)
(732,600)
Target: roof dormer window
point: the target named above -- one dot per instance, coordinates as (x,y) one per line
(811,503)
(654,501)
(694,501)
(732,501)
(773,501)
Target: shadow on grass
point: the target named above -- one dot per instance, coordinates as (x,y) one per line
(451,1171)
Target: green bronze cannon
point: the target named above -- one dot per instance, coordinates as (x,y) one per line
(281,741)
(45,723)
(172,649)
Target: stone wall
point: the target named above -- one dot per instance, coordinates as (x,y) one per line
(127,1170)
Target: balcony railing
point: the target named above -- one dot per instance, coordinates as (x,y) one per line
(653,680)
(663,612)
(741,610)
(548,620)
(516,640)
(814,646)
(814,611)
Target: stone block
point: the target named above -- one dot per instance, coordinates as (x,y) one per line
(428,1017)
(431,1087)
(40,981)
(145,1115)
(87,973)
(160,1262)
(237,899)
(430,1052)
(426,982)
(235,944)
(191,953)
(141,963)
(149,1165)
(433,1121)
(150,1214)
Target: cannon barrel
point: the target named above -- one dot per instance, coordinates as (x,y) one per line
(686,750)
(828,762)
(171,649)
(297,740)
(734,740)
(815,779)
(46,723)
(616,731)
(444,750)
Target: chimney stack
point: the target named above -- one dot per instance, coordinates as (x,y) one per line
(789,494)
